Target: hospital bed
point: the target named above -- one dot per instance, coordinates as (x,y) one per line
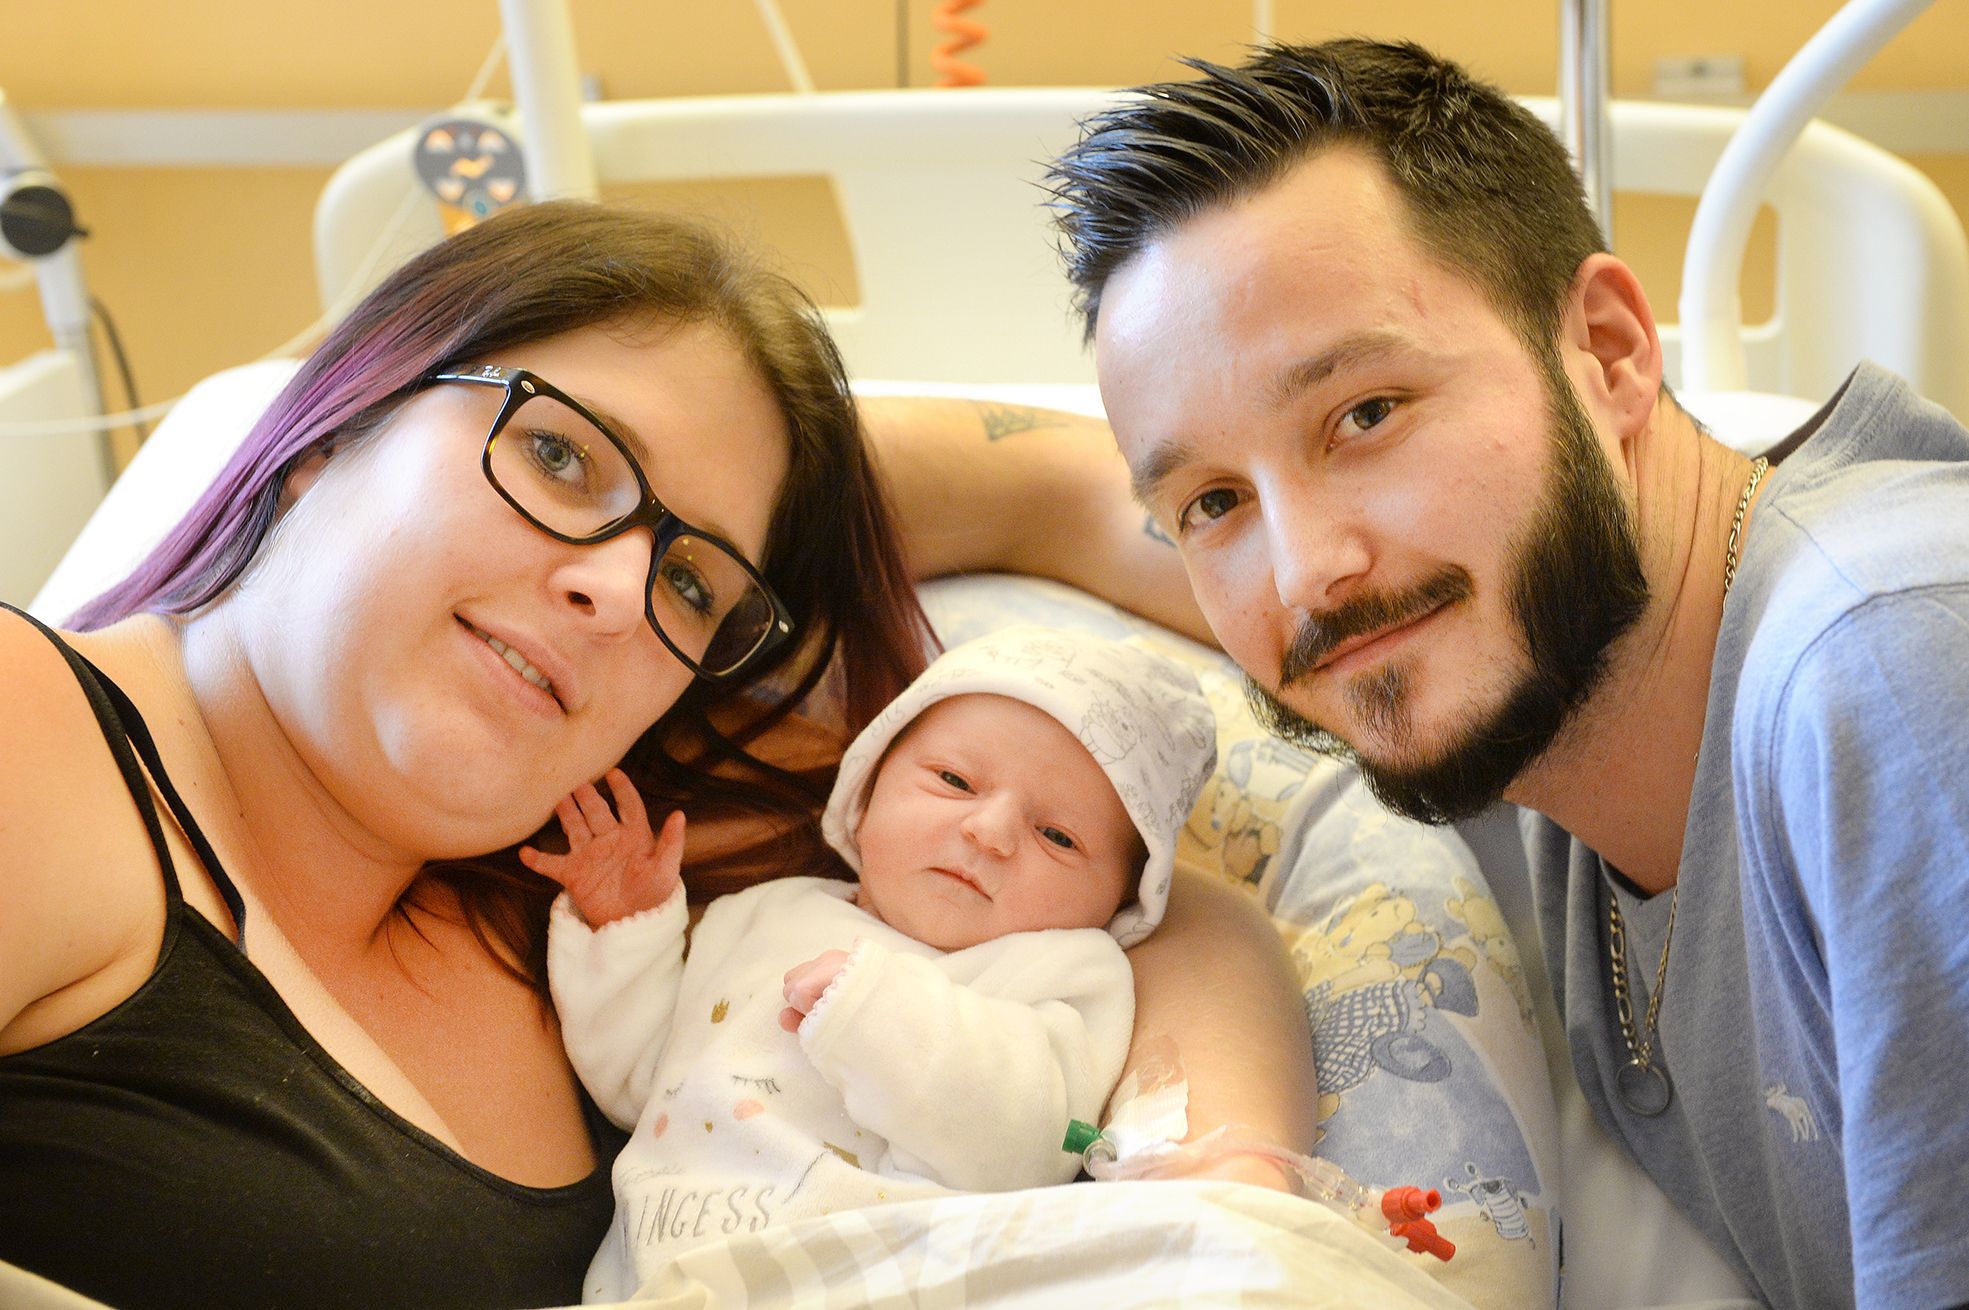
(1439,1044)
(944,218)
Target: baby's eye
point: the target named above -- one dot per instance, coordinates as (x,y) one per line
(953,779)
(1211,505)
(1057,837)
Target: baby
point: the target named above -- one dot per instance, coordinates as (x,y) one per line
(826,1045)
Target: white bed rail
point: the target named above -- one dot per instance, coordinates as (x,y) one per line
(959,281)
(1711,310)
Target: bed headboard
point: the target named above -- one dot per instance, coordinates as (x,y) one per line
(1871,261)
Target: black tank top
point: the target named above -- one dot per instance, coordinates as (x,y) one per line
(196,1147)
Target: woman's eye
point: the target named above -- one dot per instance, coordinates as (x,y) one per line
(689,586)
(1211,505)
(1057,837)
(950,779)
(1368,414)
(556,456)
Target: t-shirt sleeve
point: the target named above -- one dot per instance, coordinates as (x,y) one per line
(1870,803)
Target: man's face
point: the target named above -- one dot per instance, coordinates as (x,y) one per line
(1397,520)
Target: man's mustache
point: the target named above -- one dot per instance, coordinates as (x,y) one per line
(1320,634)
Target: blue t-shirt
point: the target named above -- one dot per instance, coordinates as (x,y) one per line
(1815,1018)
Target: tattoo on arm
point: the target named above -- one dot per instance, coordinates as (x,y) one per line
(1002,421)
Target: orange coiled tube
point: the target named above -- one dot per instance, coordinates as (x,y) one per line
(964,33)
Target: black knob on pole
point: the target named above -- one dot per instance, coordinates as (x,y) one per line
(36,219)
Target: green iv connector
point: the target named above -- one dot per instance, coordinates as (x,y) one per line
(1080,1136)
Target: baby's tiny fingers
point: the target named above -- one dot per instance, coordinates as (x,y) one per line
(547,866)
(572,822)
(594,809)
(790,1019)
(628,802)
(669,851)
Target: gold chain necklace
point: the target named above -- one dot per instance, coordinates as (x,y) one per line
(1643,1085)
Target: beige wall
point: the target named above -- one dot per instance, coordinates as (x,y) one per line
(207,267)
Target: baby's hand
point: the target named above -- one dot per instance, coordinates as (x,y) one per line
(614,866)
(804,985)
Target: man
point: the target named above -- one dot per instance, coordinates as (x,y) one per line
(1372,370)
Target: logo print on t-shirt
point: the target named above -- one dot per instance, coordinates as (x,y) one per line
(1797,1114)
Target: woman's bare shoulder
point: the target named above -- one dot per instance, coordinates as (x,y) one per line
(84,904)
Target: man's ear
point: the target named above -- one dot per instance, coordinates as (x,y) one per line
(1609,345)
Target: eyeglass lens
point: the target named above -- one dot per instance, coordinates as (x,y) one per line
(570,478)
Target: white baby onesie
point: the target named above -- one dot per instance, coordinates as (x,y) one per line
(919,1071)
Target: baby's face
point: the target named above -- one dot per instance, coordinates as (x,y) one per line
(989,817)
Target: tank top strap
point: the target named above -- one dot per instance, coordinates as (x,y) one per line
(123,729)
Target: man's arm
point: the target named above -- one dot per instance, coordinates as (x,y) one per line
(1215,983)
(1870,788)
(986,487)
(981,486)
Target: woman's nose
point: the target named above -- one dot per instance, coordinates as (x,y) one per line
(608,581)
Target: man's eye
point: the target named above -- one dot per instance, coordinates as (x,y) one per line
(1211,505)
(1368,414)
(1057,837)
(953,779)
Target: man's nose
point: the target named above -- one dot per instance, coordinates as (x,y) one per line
(1317,549)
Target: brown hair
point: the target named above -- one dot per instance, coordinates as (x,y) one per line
(1488,190)
(831,549)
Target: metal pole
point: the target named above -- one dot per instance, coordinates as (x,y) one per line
(547,85)
(1583,103)
(64,290)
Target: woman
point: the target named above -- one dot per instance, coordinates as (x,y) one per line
(272,1027)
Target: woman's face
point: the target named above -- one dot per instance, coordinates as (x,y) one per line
(380,597)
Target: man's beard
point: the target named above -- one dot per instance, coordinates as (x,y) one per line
(1577,586)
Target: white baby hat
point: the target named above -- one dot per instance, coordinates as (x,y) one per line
(1140,715)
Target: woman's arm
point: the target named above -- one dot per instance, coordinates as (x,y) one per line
(1214,983)
(81,923)
(983,487)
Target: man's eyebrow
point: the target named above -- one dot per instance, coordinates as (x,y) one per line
(1369,346)
(1163,459)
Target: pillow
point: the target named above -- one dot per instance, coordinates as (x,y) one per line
(1427,1052)
(166,477)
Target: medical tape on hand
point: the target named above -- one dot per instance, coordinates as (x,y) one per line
(1149,1112)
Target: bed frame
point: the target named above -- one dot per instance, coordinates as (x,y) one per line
(1871,261)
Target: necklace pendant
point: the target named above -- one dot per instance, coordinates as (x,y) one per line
(1644,1087)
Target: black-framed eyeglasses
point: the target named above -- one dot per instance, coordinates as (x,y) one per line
(566,473)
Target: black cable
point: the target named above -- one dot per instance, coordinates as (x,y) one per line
(101,313)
